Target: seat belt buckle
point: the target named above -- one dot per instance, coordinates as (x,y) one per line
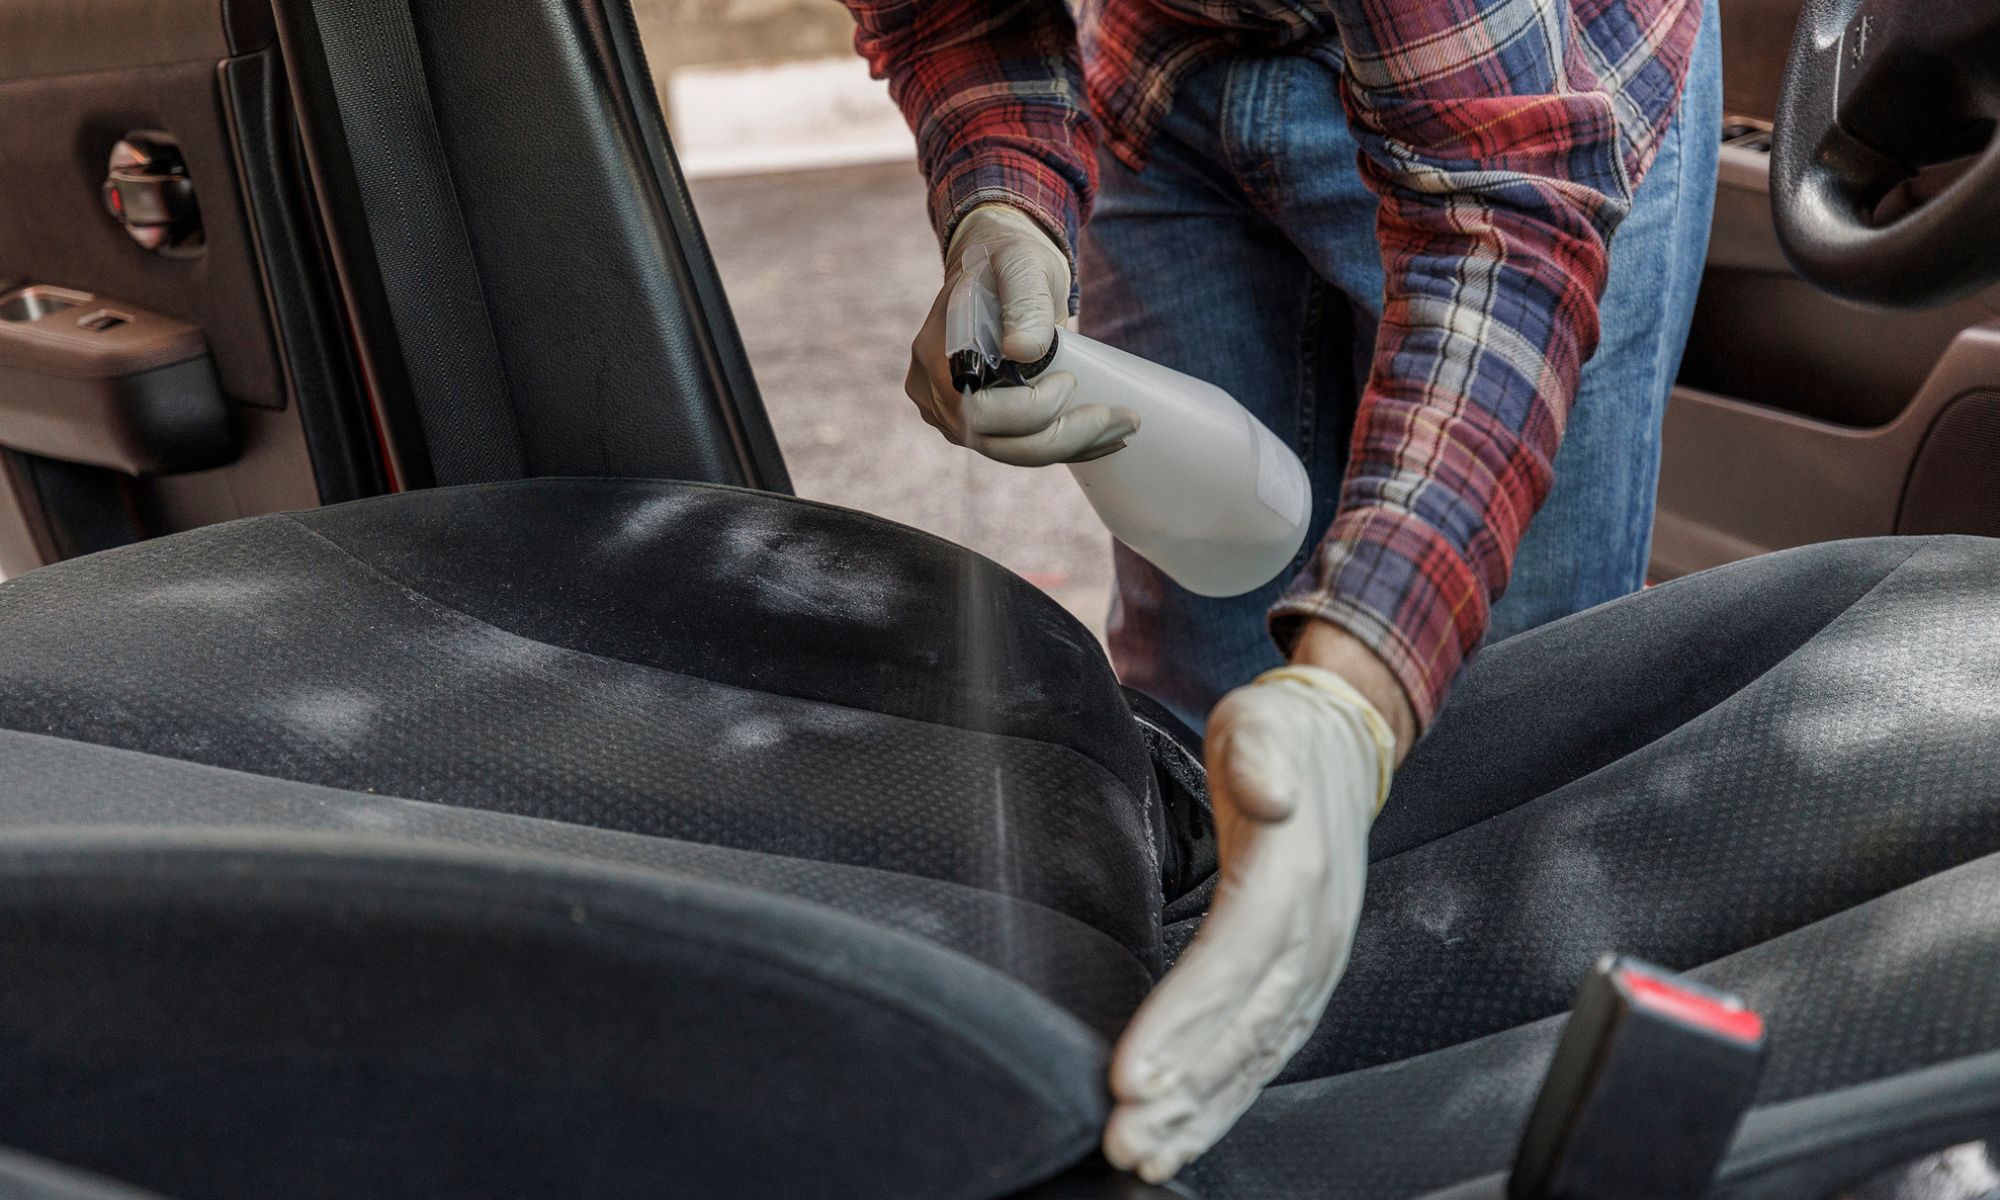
(1650,1080)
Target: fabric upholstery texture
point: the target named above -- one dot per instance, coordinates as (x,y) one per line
(569,837)
(1809,814)
(50,784)
(568,650)
(24,1178)
(747,696)
(257,1014)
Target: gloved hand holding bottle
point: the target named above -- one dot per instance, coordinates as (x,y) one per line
(1179,472)
(1030,426)
(1299,764)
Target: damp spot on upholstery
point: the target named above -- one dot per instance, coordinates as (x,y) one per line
(337,715)
(648,521)
(754,733)
(211,595)
(804,576)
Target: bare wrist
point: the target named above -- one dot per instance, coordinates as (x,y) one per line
(1330,647)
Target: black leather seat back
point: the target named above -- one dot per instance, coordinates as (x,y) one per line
(526,276)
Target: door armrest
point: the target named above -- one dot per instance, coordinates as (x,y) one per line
(89,380)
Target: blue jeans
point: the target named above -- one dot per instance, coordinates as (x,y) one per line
(1245,254)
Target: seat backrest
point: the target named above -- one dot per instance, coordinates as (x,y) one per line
(530,291)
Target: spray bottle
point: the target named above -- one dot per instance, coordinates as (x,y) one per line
(1203,490)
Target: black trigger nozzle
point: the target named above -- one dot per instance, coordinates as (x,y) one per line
(972,371)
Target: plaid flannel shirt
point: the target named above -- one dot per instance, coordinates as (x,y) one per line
(1504,137)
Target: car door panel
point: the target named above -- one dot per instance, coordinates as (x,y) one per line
(1800,418)
(98,35)
(76,77)
(56,135)
(1756,34)
(1763,335)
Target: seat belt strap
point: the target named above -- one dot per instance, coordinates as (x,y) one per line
(421,246)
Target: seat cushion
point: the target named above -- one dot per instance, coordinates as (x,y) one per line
(684,661)
(913,772)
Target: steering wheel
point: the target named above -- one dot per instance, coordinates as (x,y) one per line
(1876,92)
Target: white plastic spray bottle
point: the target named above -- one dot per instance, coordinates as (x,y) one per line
(1202,491)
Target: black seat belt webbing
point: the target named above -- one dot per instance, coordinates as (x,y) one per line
(421,246)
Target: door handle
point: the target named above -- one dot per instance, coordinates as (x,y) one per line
(150,193)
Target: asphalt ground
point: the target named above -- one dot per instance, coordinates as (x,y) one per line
(829,273)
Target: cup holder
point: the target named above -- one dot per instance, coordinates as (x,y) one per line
(34,303)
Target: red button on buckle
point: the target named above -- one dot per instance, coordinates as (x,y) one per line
(1730,1020)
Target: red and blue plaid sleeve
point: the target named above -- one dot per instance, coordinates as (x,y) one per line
(994,93)
(1504,138)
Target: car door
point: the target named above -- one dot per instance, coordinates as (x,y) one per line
(171,350)
(260,255)
(1800,418)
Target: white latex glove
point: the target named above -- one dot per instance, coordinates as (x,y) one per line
(1032,426)
(1298,765)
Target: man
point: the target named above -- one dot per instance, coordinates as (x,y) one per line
(1417,326)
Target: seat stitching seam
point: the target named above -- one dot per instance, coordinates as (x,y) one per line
(426,597)
(1137,809)
(442,817)
(441,607)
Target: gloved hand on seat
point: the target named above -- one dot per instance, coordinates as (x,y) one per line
(1299,764)
(1033,426)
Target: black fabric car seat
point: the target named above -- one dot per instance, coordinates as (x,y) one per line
(735,721)
(677,660)
(595,838)
(1782,777)
(25,1178)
